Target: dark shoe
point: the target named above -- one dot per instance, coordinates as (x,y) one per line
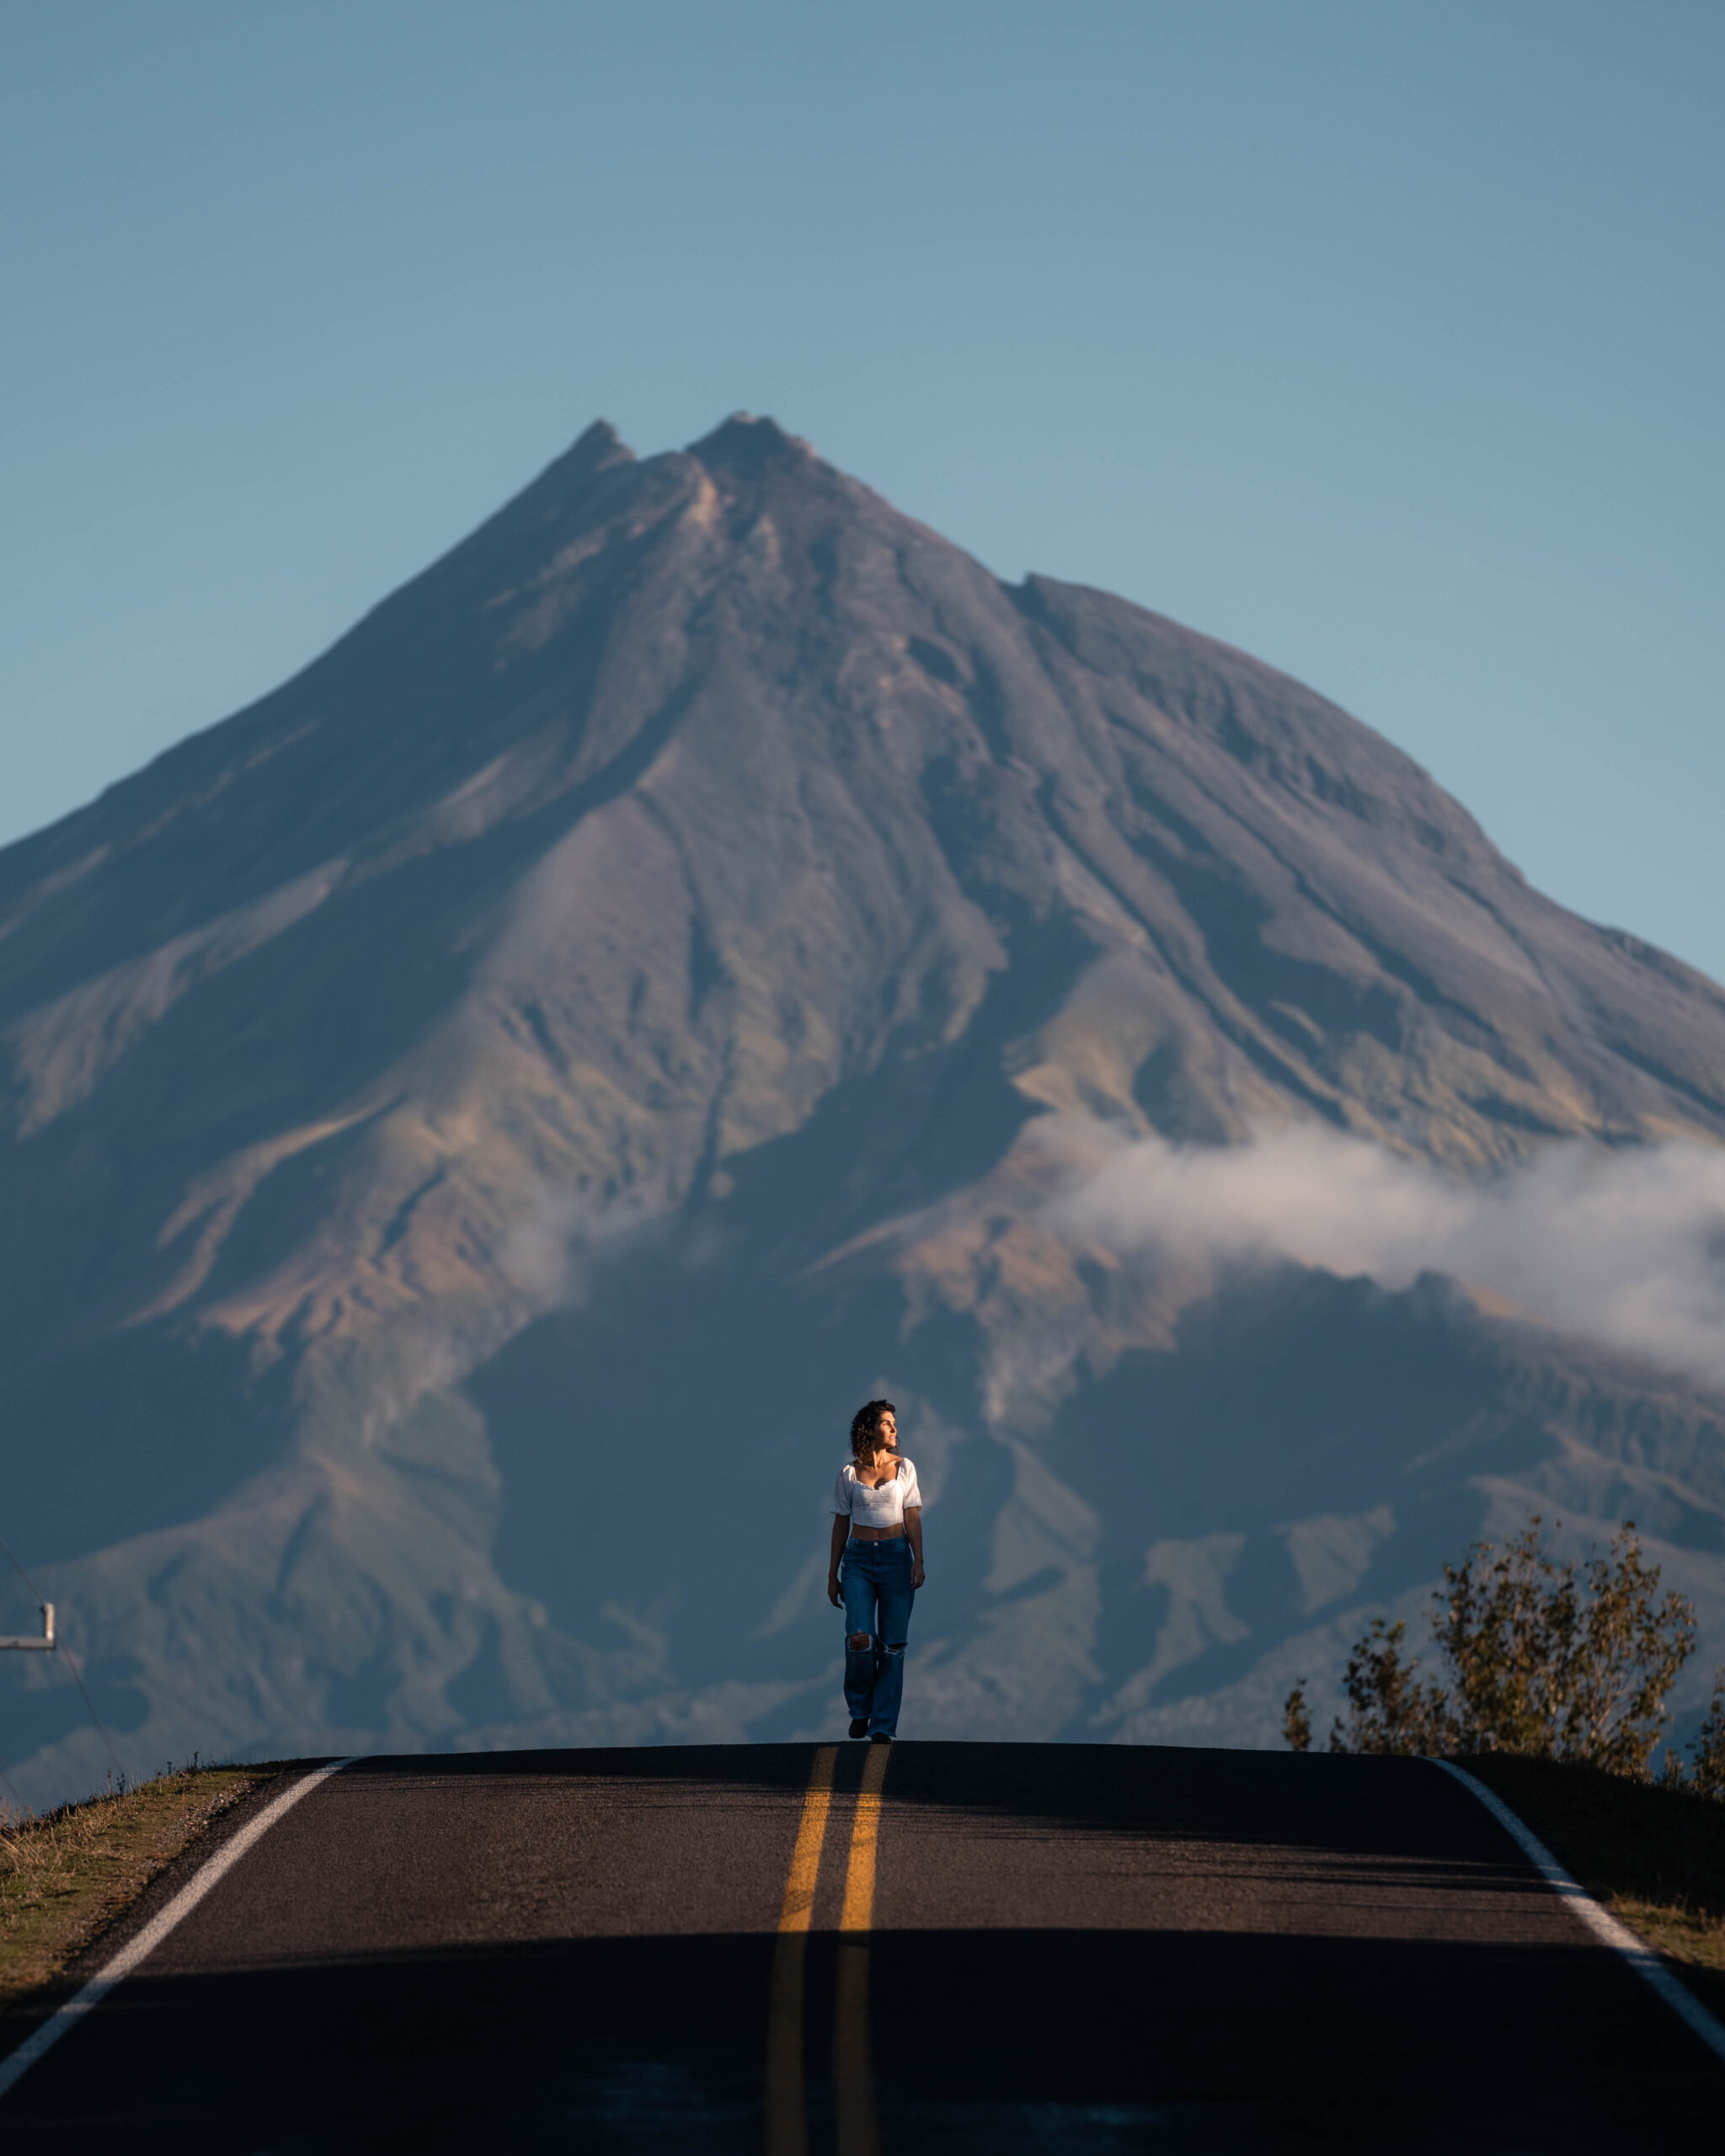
(860,1728)
(881,1736)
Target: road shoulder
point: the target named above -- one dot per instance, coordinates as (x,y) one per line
(78,1879)
(1653,1856)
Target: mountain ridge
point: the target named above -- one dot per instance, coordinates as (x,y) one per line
(701,866)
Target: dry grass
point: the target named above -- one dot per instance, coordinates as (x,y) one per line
(1654,1856)
(65,1874)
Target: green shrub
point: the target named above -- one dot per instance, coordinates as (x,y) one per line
(1543,1658)
(1705,1773)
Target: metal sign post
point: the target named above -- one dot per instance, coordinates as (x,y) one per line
(43,1646)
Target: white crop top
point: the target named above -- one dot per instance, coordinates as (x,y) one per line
(871,1507)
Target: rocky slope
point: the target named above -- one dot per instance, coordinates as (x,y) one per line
(473,1123)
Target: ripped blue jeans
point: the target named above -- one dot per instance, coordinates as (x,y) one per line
(875,1580)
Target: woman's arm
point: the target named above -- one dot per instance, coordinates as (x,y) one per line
(840,1536)
(913,1530)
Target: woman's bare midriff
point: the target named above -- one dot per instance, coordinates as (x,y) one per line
(876,1534)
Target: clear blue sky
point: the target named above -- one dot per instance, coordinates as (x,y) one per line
(1383,339)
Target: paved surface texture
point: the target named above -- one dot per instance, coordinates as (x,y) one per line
(1011,1947)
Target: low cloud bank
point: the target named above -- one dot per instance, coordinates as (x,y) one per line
(1626,1247)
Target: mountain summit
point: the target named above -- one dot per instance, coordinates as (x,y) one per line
(475,1118)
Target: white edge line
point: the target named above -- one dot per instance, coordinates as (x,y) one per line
(1605,1927)
(18,2063)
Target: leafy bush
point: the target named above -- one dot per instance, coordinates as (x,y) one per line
(1389,1710)
(1705,1774)
(1543,1658)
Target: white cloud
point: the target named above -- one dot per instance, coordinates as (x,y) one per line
(1626,1247)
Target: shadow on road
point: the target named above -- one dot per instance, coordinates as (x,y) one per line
(999,2040)
(1384,1812)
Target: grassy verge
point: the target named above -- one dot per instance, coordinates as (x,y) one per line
(1655,1857)
(66,1875)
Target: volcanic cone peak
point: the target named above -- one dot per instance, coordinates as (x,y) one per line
(680,816)
(745,442)
(597,447)
(703,865)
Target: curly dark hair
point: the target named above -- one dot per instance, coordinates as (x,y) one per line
(865,1426)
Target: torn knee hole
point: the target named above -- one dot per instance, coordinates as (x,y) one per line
(896,1646)
(860,1640)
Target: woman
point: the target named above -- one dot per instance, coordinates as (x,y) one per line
(876,1568)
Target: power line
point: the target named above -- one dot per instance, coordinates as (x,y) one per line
(20,1570)
(25,1810)
(119,1771)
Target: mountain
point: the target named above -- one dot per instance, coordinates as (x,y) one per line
(476,1121)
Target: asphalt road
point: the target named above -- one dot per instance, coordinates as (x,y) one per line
(1004,1948)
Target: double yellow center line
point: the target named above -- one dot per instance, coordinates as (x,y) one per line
(853,2079)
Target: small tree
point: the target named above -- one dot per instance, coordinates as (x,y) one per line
(1705,1774)
(1389,1710)
(1557,1660)
(1565,1662)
